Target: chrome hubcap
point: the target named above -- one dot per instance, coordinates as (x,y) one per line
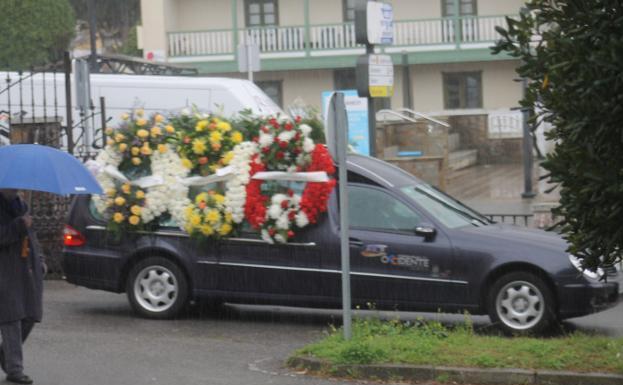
(155,288)
(520,305)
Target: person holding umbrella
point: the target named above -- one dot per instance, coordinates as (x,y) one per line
(21,283)
(37,168)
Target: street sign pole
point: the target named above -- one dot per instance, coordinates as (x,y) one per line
(371,114)
(338,131)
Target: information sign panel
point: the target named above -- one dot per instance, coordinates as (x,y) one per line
(375,76)
(357,115)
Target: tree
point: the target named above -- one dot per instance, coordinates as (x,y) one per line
(116,20)
(572,55)
(34,32)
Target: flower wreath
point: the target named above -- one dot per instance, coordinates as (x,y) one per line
(285,147)
(206,145)
(134,149)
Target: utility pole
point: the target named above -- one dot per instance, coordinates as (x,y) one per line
(92,35)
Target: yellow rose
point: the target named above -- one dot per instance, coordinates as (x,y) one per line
(141,122)
(213,216)
(188,211)
(219,199)
(136,210)
(201,197)
(207,230)
(228,217)
(140,112)
(119,137)
(225,229)
(158,118)
(236,137)
(123,147)
(215,137)
(109,142)
(142,133)
(170,129)
(118,217)
(125,116)
(135,151)
(126,188)
(134,220)
(111,192)
(156,131)
(119,201)
(136,161)
(223,126)
(187,163)
(229,155)
(162,148)
(201,125)
(140,194)
(145,150)
(199,146)
(109,131)
(195,220)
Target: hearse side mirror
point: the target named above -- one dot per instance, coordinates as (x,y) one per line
(427,231)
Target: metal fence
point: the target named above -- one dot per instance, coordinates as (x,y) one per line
(36,106)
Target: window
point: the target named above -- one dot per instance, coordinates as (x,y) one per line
(386,214)
(466,8)
(348,10)
(259,13)
(273,89)
(462,90)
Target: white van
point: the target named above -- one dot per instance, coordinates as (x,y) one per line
(125,92)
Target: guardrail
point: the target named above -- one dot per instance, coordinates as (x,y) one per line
(325,37)
(515,219)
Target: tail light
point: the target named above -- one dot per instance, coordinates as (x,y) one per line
(72,237)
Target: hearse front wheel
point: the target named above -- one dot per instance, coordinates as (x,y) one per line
(157,288)
(521,303)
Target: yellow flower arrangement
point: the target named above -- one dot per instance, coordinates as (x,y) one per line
(141,122)
(142,133)
(205,141)
(123,147)
(126,188)
(119,201)
(134,220)
(118,217)
(156,131)
(208,216)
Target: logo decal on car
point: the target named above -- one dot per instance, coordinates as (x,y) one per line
(374,251)
(412,261)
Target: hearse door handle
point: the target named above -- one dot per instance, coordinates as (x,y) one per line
(355,242)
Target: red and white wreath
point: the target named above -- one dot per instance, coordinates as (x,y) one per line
(284,152)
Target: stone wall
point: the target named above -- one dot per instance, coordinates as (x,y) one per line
(473,131)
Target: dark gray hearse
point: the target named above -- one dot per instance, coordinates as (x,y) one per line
(412,248)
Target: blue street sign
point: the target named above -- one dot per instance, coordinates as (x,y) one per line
(357,113)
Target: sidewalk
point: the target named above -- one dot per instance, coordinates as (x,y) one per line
(496,189)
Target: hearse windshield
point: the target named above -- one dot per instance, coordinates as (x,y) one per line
(450,212)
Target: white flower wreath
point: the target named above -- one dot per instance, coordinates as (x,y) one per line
(236,194)
(164,190)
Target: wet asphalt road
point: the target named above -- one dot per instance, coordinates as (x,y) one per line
(92,338)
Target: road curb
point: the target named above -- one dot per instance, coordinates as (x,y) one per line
(458,375)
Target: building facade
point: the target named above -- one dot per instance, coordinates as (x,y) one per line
(308,46)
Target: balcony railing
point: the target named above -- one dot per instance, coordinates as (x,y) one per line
(309,39)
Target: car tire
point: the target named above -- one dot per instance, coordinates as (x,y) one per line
(157,288)
(521,303)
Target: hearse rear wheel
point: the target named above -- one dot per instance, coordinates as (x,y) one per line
(521,303)
(157,288)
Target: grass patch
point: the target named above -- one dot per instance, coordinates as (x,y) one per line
(430,343)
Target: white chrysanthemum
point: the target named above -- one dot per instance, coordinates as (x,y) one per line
(107,157)
(283,223)
(305,129)
(308,145)
(274,211)
(278,198)
(236,194)
(265,140)
(279,238)
(286,136)
(301,219)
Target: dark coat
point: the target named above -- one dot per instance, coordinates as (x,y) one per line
(21,279)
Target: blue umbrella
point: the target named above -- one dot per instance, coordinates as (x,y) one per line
(42,168)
